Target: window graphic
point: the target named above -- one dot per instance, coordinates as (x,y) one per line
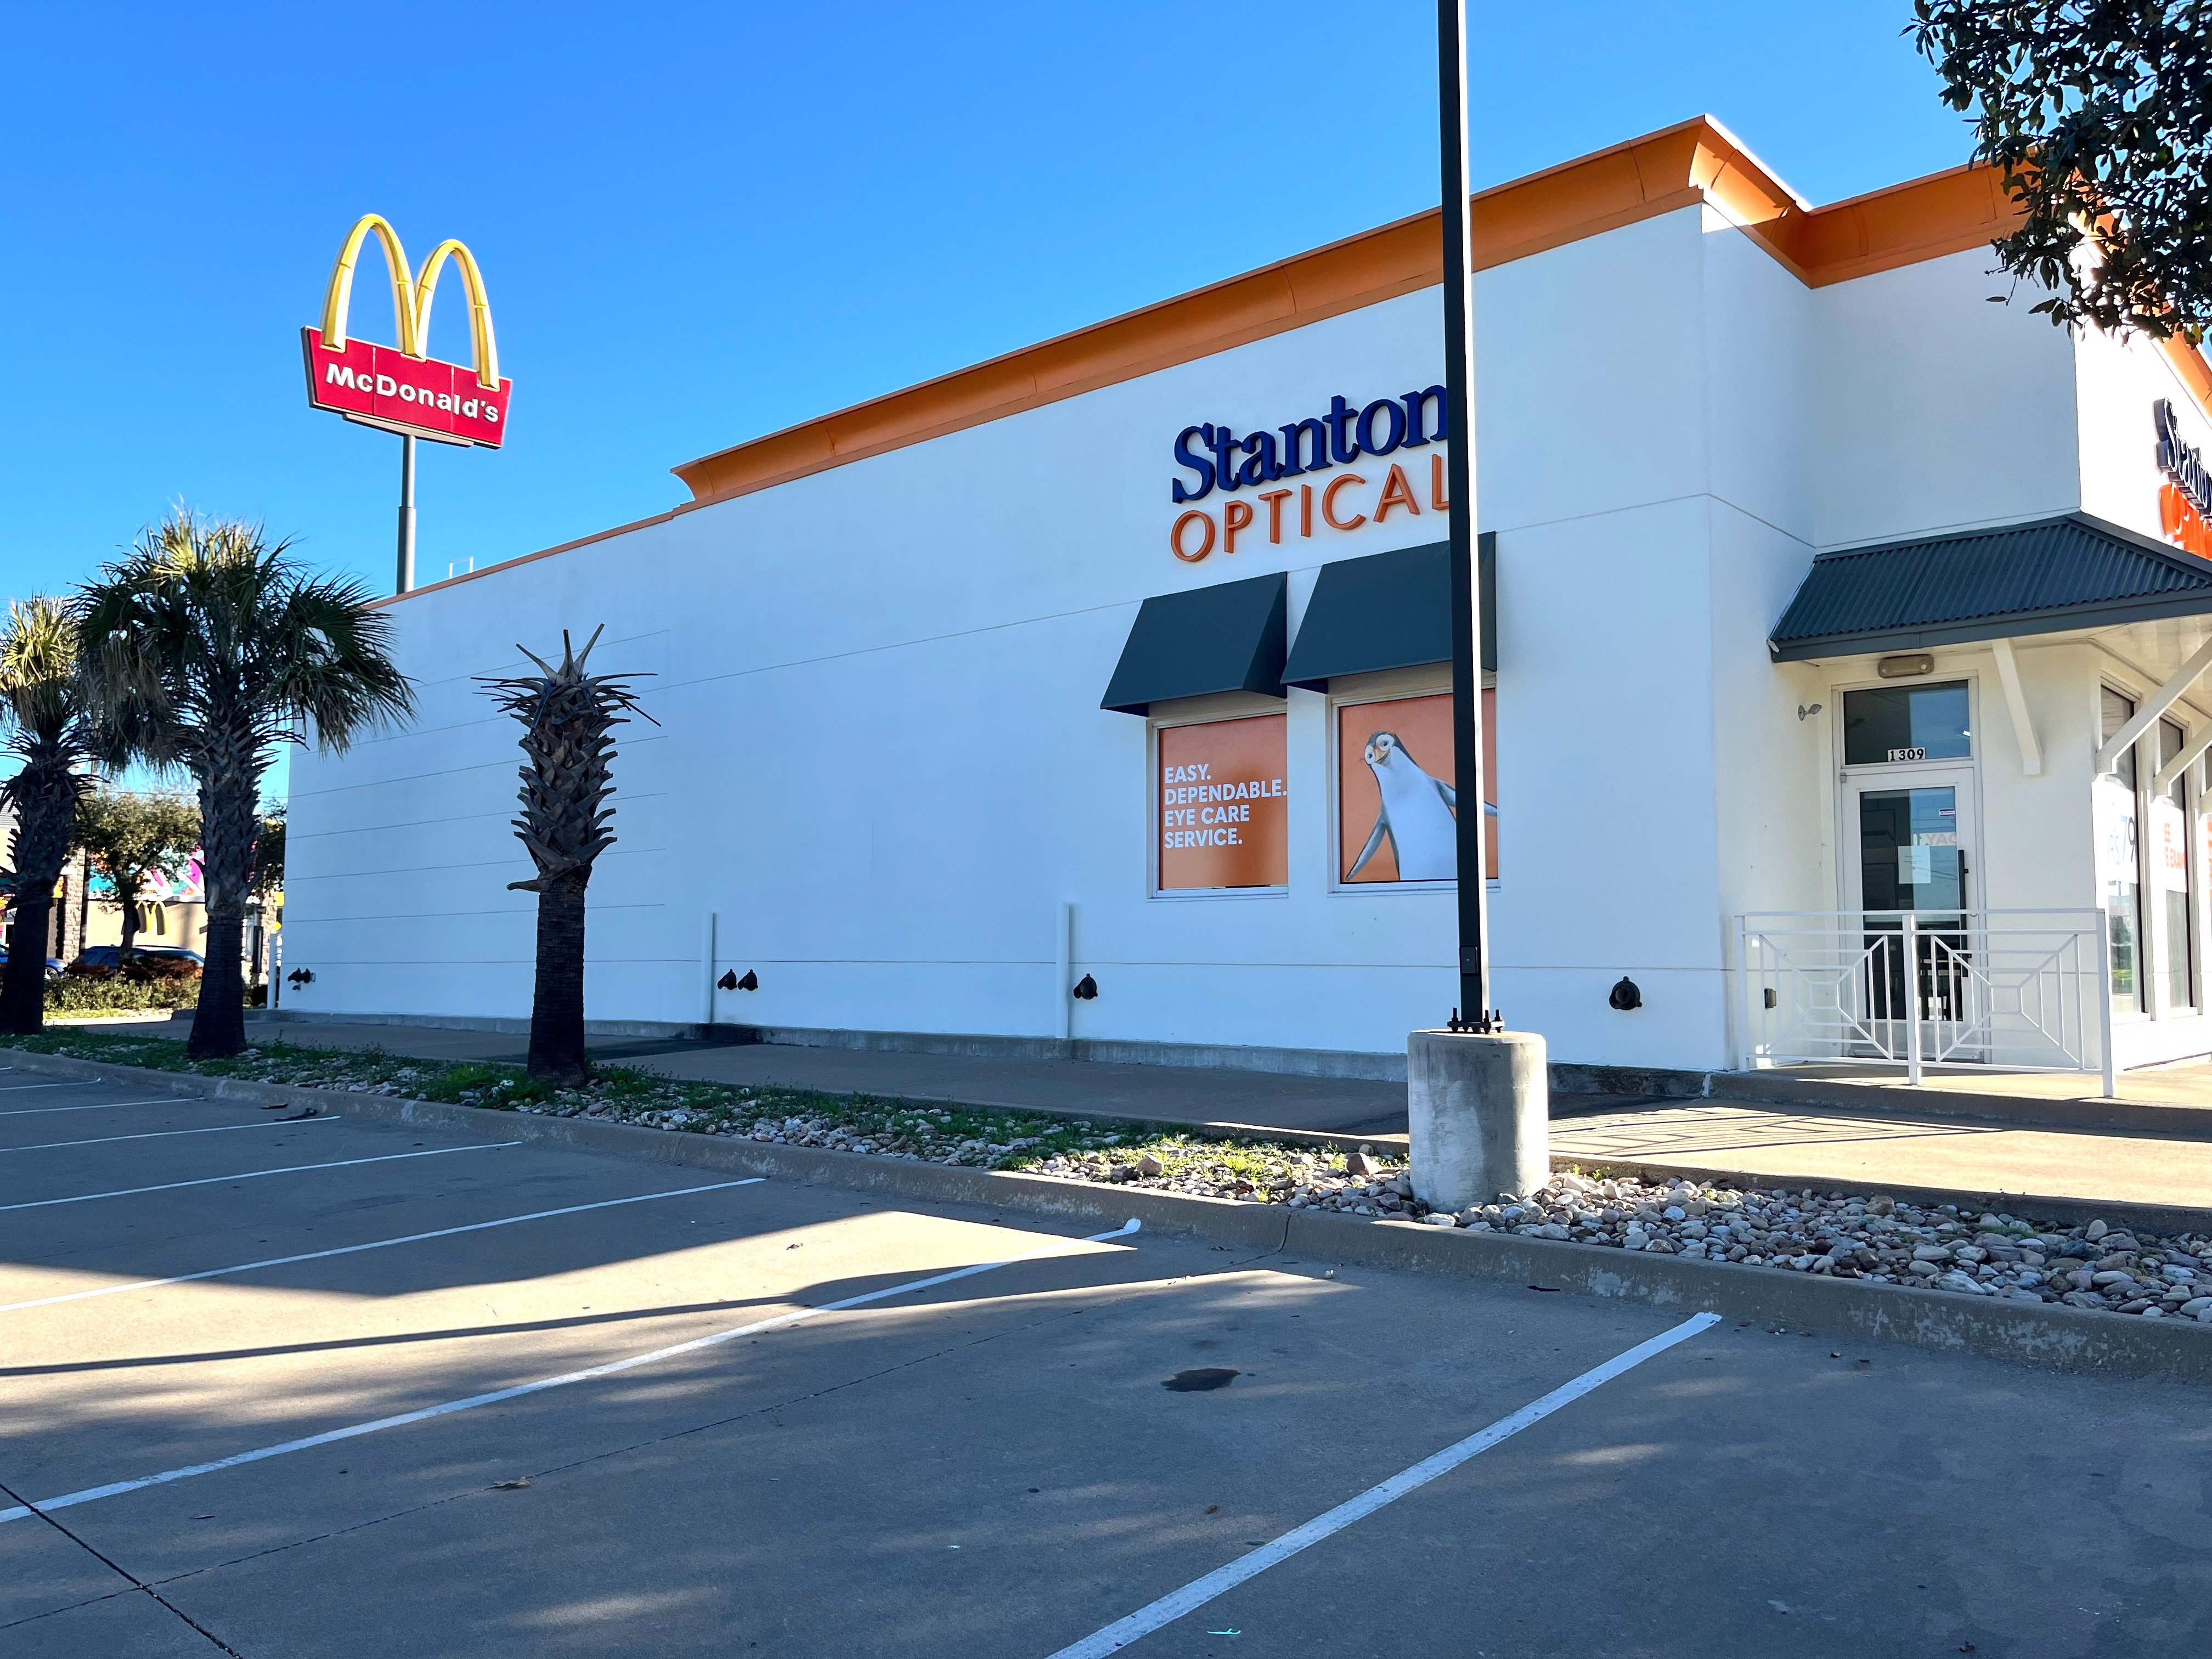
(1224,805)
(1397,812)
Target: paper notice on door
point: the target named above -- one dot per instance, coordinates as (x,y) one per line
(1916,866)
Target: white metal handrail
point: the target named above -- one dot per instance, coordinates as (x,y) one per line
(2012,990)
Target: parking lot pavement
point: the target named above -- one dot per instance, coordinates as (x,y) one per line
(622,1429)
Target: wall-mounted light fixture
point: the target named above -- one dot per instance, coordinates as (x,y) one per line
(1625,996)
(300,977)
(1806,711)
(728,980)
(1086,989)
(1909,665)
(749,983)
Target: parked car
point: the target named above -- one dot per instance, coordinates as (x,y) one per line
(113,954)
(155,961)
(53,964)
(174,950)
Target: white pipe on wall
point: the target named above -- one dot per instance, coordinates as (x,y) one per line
(1063,968)
(707,968)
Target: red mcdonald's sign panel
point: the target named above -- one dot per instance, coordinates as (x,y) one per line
(422,395)
(403,387)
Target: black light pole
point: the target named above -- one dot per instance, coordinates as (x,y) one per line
(1474,1011)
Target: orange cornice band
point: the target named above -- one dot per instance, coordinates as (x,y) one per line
(1695,163)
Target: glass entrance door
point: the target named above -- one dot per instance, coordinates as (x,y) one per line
(1912,852)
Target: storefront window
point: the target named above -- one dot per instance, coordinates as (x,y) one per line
(2170,845)
(2119,861)
(1906,723)
(1397,815)
(1223,806)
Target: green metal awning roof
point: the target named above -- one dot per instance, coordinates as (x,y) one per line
(2051,576)
(1388,610)
(1227,637)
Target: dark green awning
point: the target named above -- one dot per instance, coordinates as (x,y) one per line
(1227,637)
(1388,610)
(2049,576)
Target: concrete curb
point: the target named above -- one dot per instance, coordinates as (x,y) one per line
(2050,1337)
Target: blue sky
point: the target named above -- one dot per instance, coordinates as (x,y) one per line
(701,223)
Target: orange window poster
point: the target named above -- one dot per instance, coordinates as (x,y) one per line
(1397,815)
(1224,804)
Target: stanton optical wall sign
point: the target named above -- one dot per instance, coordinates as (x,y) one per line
(1218,458)
(2185,499)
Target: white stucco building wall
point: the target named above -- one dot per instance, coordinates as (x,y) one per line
(881,767)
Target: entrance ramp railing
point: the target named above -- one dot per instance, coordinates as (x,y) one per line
(2004,990)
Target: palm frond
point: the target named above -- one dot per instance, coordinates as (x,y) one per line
(205,639)
(568,717)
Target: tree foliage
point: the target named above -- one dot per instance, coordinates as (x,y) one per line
(204,648)
(2099,113)
(52,739)
(132,837)
(268,876)
(569,716)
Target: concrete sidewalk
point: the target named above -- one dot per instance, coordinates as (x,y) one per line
(1161,1094)
(1885,1145)
(2186,1082)
(2051,1173)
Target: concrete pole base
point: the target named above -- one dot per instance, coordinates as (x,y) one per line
(1480,1111)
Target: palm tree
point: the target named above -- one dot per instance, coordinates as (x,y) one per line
(203,649)
(567,718)
(53,741)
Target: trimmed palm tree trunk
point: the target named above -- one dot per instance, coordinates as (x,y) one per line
(227,824)
(23,991)
(556,1006)
(46,807)
(568,716)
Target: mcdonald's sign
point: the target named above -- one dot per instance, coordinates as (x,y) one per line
(406,390)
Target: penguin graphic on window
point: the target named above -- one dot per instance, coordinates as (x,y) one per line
(1418,815)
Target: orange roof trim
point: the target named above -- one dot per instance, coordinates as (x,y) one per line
(1696,162)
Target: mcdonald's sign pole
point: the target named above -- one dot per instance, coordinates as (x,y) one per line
(404,389)
(405,579)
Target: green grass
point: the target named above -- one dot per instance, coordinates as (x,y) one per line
(627,1093)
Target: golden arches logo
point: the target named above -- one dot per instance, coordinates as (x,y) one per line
(411,295)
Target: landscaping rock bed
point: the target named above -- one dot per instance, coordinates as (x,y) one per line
(1844,1235)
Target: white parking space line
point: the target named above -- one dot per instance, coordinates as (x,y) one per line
(99,1106)
(23,1511)
(19,1088)
(164,1134)
(377,1244)
(256,1175)
(1196,1594)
